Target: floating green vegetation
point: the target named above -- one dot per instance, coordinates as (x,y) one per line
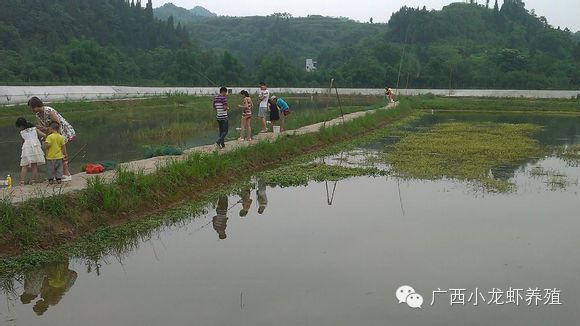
(300,175)
(465,151)
(554,179)
(539,171)
(570,154)
(557,183)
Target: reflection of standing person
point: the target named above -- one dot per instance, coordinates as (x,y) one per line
(59,279)
(263,110)
(32,285)
(246,202)
(220,221)
(45,115)
(262,198)
(220,105)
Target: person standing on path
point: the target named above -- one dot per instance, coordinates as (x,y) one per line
(247,105)
(284,110)
(389,94)
(55,153)
(274,111)
(220,105)
(264,97)
(32,155)
(46,115)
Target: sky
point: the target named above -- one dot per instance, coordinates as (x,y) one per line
(562,13)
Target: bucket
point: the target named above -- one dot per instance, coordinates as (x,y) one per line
(276,129)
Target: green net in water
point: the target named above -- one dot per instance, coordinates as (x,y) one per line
(162,151)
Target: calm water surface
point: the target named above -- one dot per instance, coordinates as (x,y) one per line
(318,257)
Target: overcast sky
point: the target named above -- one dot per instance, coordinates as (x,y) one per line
(562,13)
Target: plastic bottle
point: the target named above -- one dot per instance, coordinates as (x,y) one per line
(9,181)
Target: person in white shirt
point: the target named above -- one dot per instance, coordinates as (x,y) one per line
(263,110)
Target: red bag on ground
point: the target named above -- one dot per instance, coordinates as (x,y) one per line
(94,168)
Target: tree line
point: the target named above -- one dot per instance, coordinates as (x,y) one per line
(464,45)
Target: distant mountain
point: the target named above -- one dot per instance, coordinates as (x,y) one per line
(182,15)
(201,11)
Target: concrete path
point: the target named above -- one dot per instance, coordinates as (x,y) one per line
(19,194)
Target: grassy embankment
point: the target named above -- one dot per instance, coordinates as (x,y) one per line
(49,222)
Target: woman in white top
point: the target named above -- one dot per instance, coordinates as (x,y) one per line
(32,154)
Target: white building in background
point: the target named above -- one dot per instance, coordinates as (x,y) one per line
(310,65)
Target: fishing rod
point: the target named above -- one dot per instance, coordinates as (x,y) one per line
(206,77)
(400,197)
(77,154)
(337,98)
(329,197)
(402,57)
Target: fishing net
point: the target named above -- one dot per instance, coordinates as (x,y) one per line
(162,151)
(108,165)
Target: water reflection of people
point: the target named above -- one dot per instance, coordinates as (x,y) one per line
(55,280)
(246,202)
(220,221)
(262,198)
(32,285)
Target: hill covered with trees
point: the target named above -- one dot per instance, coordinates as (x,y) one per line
(95,42)
(464,45)
(181,15)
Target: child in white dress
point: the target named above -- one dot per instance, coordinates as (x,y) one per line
(32,154)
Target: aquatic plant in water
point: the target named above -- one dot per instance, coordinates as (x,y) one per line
(474,152)
(570,154)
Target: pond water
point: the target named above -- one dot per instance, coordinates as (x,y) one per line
(335,253)
(123,134)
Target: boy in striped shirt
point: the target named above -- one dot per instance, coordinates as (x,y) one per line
(220,105)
